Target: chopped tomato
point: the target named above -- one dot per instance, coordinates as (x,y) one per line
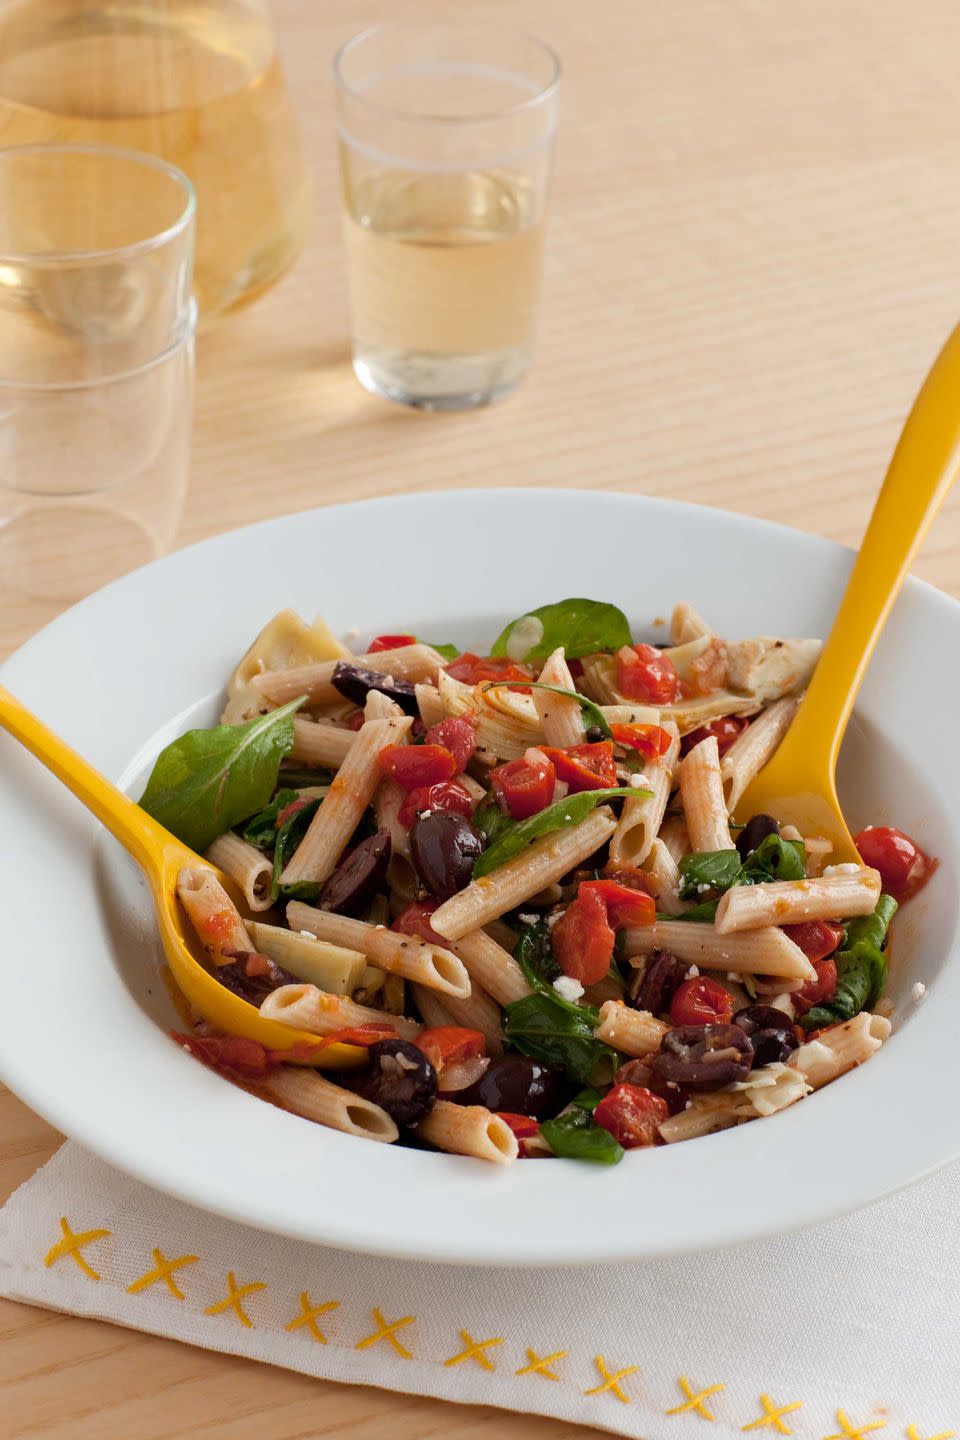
(449,1045)
(414,765)
(725,731)
(819,991)
(583,939)
(415,920)
(625,905)
(445,795)
(356,1035)
(708,671)
(652,741)
(458,735)
(289,810)
(391,642)
(632,1114)
(584,767)
(477,669)
(701,1001)
(904,867)
(645,673)
(228,1052)
(628,875)
(524,786)
(816,938)
(524,1127)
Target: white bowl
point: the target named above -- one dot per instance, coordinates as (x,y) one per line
(85,998)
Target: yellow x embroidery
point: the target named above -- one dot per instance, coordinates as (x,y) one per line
(386,1332)
(611,1382)
(308,1316)
(853,1432)
(914,1434)
(473,1350)
(71,1245)
(695,1399)
(540,1365)
(163,1270)
(772,1416)
(233,1300)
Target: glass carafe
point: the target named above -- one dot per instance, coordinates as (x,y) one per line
(196,81)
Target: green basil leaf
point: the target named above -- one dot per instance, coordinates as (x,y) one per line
(592,713)
(577,1136)
(555,1032)
(582,627)
(490,820)
(534,954)
(207,781)
(872,928)
(861,976)
(559,816)
(261,830)
(774,859)
(701,914)
(448,652)
(588,1099)
(288,838)
(713,869)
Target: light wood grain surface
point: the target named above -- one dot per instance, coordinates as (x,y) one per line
(752,259)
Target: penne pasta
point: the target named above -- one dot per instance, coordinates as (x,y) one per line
(789,902)
(306,1093)
(561,719)
(431,1007)
(320,743)
(213,915)
(307,1008)
(664,874)
(469,1130)
(642,816)
(430,705)
(633,1032)
(405,955)
(379,706)
(411,663)
(840,1047)
(752,749)
(673,835)
(755,952)
(701,793)
(477,1011)
(493,968)
(247,866)
(401,874)
(333,968)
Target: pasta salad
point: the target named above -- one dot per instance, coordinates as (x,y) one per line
(519,887)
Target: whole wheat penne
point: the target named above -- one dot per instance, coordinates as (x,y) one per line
(701,792)
(705,1115)
(379,706)
(431,707)
(642,816)
(686,624)
(754,952)
(673,833)
(306,1093)
(316,742)
(307,1008)
(789,902)
(431,1007)
(840,1047)
(411,663)
(212,914)
(541,863)
(633,1032)
(664,872)
(753,747)
(493,968)
(405,955)
(401,875)
(469,1130)
(561,718)
(333,968)
(476,1012)
(316,857)
(248,866)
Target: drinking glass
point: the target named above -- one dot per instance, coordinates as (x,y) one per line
(96,365)
(445,138)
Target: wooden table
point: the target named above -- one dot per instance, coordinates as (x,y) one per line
(753,258)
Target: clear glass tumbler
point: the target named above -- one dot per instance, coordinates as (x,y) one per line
(96,365)
(446,137)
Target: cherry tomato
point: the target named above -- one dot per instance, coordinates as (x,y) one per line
(415,765)
(415,920)
(523,1126)
(816,992)
(701,1001)
(628,875)
(449,1045)
(228,1052)
(583,939)
(354,1035)
(651,740)
(632,1114)
(524,786)
(446,795)
(645,673)
(476,669)
(288,810)
(458,735)
(624,904)
(390,642)
(816,938)
(725,731)
(585,767)
(904,867)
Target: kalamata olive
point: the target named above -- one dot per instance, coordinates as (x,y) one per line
(757,828)
(703,1057)
(656,986)
(640,1072)
(397,1076)
(517,1084)
(444,847)
(358,877)
(761,1017)
(772,1046)
(252,976)
(355,683)
(594,735)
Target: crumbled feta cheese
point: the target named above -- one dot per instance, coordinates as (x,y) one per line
(524,636)
(387,682)
(308,935)
(424,813)
(849,868)
(918,991)
(702,889)
(639,780)
(568,988)
(554,919)
(527,919)
(692,973)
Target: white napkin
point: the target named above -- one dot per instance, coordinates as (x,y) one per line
(843,1331)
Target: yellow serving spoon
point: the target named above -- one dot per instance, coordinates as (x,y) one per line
(798,786)
(161,856)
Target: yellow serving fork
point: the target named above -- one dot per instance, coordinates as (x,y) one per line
(798,786)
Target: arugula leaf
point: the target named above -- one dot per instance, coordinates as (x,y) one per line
(288,838)
(774,859)
(588,1099)
(207,781)
(717,869)
(555,1032)
(490,820)
(704,913)
(581,626)
(448,652)
(592,713)
(872,927)
(261,830)
(558,816)
(577,1136)
(861,968)
(534,954)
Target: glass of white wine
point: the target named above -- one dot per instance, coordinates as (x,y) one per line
(446,138)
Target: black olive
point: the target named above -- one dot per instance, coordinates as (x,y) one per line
(398,1077)
(355,683)
(253,988)
(517,1084)
(772,1046)
(761,1017)
(702,1057)
(757,828)
(444,847)
(358,877)
(660,982)
(595,735)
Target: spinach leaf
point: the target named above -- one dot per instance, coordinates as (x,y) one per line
(300,776)
(872,927)
(774,859)
(861,968)
(588,1099)
(534,954)
(559,816)
(715,869)
(289,835)
(490,820)
(555,1032)
(448,652)
(207,781)
(577,1136)
(581,626)
(592,713)
(261,830)
(701,914)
